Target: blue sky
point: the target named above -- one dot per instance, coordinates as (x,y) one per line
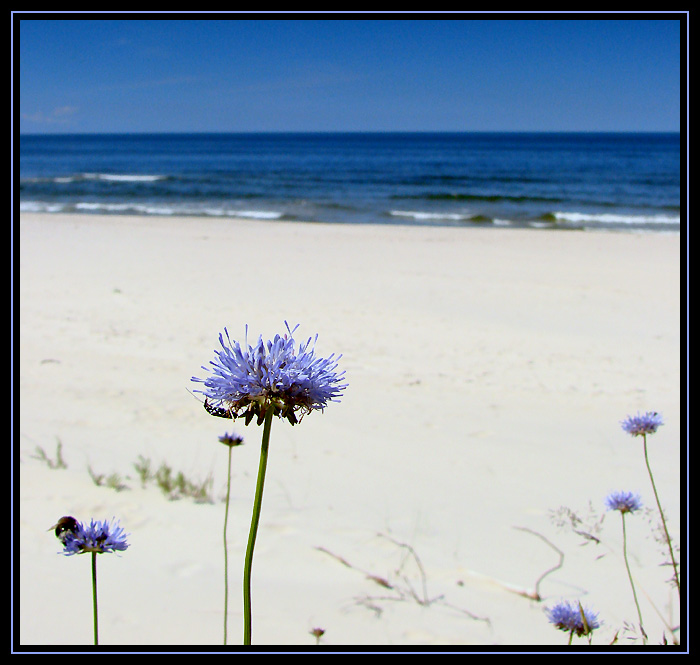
(310,74)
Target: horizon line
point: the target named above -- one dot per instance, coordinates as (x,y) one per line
(360,131)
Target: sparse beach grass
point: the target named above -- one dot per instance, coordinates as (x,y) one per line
(409,581)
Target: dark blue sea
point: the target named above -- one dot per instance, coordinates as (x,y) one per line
(570,181)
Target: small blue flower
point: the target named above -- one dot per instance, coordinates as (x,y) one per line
(567,617)
(625,502)
(101,537)
(231,439)
(641,424)
(247,380)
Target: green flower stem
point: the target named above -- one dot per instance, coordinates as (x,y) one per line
(629,574)
(247,627)
(228,495)
(94,595)
(663,519)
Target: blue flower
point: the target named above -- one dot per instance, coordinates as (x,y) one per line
(231,439)
(247,380)
(625,502)
(101,537)
(567,617)
(640,424)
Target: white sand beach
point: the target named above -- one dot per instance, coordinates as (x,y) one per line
(488,371)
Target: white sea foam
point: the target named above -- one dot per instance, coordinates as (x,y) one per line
(107,207)
(225,212)
(40,206)
(148,209)
(144,209)
(127,177)
(255,214)
(606,218)
(417,214)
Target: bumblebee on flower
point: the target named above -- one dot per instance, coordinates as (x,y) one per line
(248,380)
(99,537)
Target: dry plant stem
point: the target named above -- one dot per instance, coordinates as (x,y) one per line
(535,595)
(228,495)
(586,627)
(94,596)
(425,600)
(247,619)
(402,594)
(663,520)
(661,616)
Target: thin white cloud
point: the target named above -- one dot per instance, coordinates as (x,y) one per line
(61,115)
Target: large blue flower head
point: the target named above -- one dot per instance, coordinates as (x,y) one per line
(625,502)
(248,380)
(640,424)
(98,536)
(570,618)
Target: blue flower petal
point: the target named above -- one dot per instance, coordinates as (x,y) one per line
(646,423)
(101,537)
(249,379)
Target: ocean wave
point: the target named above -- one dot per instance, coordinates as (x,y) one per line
(40,206)
(123,177)
(436,216)
(559,219)
(127,208)
(608,218)
(256,214)
(148,209)
(248,214)
(102,177)
(649,221)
